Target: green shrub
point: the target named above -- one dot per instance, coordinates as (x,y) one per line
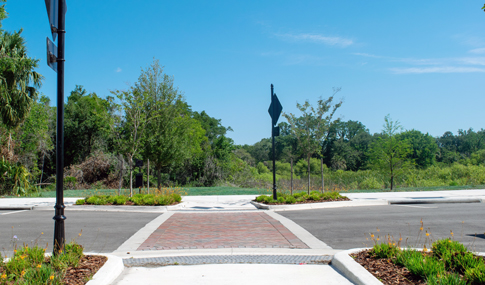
(370,183)
(80,201)
(261,198)
(176,197)
(281,200)
(476,275)
(384,250)
(314,197)
(301,199)
(290,200)
(300,194)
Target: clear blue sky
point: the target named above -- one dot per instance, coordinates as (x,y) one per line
(422,62)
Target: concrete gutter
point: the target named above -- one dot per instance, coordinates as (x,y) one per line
(108,273)
(352,270)
(434,200)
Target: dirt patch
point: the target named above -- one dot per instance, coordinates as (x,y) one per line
(88,266)
(386,271)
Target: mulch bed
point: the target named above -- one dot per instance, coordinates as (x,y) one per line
(386,271)
(89,265)
(307,201)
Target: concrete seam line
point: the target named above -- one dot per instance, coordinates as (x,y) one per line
(109,271)
(304,235)
(141,235)
(352,270)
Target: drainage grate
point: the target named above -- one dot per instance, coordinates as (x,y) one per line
(228,259)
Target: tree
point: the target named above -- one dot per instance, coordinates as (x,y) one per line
(388,153)
(16,77)
(172,134)
(87,125)
(131,128)
(423,147)
(312,126)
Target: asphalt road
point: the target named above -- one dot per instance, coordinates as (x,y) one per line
(345,228)
(101,231)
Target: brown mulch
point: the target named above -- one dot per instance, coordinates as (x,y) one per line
(386,271)
(307,201)
(88,266)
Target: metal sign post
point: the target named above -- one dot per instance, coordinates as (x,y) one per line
(55,60)
(274,111)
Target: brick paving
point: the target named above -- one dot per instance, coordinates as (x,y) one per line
(221,230)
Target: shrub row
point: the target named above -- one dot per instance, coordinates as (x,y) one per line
(137,199)
(284,198)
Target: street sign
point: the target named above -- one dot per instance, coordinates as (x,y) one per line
(51,55)
(275,109)
(52,7)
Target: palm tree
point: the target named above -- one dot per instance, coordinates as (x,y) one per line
(18,80)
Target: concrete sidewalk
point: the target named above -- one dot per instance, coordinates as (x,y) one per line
(243,202)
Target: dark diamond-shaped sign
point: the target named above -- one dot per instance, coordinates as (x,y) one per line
(51,55)
(275,109)
(52,7)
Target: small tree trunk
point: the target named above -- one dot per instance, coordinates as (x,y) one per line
(159,180)
(323,181)
(291,183)
(392,182)
(308,160)
(148,176)
(131,177)
(42,170)
(121,175)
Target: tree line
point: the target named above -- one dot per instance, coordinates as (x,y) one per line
(151,121)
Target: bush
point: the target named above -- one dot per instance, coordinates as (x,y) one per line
(370,183)
(281,200)
(290,200)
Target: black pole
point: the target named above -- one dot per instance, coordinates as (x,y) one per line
(272,137)
(59,231)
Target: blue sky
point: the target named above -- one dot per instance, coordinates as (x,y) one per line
(422,62)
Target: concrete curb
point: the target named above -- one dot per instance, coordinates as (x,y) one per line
(108,273)
(322,205)
(434,200)
(120,208)
(351,270)
(15,208)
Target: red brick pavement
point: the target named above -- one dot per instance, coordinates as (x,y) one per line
(221,230)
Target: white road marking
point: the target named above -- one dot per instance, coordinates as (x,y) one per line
(7,213)
(424,207)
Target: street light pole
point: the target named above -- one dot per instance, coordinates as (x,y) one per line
(59,230)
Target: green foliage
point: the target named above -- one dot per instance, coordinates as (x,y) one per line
(370,183)
(29,266)
(449,262)
(310,128)
(389,154)
(14,179)
(137,199)
(16,75)
(384,250)
(290,200)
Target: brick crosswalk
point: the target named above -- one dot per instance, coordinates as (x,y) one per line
(221,230)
